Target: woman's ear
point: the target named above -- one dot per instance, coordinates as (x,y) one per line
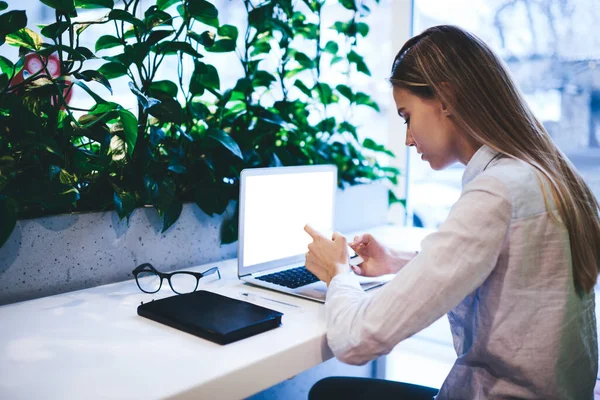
(448,95)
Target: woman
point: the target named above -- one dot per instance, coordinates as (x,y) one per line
(515,263)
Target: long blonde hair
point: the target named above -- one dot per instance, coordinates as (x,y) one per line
(459,69)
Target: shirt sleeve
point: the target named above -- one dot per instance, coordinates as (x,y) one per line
(452,263)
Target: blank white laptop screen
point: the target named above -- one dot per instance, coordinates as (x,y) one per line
(276,209)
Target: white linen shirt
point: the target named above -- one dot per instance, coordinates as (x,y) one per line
(501,269)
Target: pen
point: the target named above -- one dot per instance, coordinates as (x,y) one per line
(250,295)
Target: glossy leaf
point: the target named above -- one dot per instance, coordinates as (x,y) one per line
(93,75)
(25,37)
(107,42)
(66,6)
(54,30)
(6,66)
(174,47)
(346,92)
(122,15)
(263,79)
(204,11)
(364,99)
(171,214)
(353,57)
(222,46)
(112,70)
(370,144)
(164,4)
(303,88)
(204,76)
(331,47)
(349,4)
(12,21)
(3,6)
(227,141)
(124,204)
(228,31)
(167,88)
(206,39)
(94,3)
(130,128)
(158,35)
(8,217)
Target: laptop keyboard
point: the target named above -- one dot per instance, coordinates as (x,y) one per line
(292,278)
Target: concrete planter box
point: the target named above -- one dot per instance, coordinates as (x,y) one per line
(61,253)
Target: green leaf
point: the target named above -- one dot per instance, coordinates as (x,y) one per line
(300,85)
(25,37)
(158,35)
(171,214)
(331,47)
(304,60)
(362,29)
(124,204)
(3,6)
(353,57)
(164,4)
(107,42)
(260,48)
(227,141)
(94,4)
(93,75)
(87,53)
(8,217)
(54,30)
(203,11)
(204,76)
(262,79)
(325,93)
(346,92)
(364,99)
(174,46)
(228,31)
(143,100)
(6,66)
(392,199)
(206,39)
(112,70)
(222,46)
(89,91)
(211,198)
(122,15)
(349,4)
(348,127)
(167,88)
(370,144)
(130,128)
(12,21)
(154,17)
(66,6)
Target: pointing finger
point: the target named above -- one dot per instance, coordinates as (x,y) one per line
(313,232)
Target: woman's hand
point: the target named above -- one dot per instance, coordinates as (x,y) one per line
(327,257)
(378,259)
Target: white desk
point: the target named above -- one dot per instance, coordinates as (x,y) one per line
(92,344)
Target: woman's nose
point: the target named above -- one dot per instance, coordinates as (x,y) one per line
(409,139)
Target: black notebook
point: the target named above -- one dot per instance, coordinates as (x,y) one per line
(211,316)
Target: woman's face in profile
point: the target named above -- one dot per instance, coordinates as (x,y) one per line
(428,128)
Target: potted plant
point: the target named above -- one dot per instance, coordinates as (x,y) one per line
(189,137)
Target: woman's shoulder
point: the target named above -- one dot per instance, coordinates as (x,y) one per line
(522,182)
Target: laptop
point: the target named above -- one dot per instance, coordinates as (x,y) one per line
(275,204)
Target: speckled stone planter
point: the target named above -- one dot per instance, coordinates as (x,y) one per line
(61,253)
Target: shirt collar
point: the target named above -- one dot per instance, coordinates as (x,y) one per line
(478,163)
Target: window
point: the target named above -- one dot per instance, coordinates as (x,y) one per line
(553,53)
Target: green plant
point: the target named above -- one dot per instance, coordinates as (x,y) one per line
(189,138)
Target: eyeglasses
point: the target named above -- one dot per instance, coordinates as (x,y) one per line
(149,280)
